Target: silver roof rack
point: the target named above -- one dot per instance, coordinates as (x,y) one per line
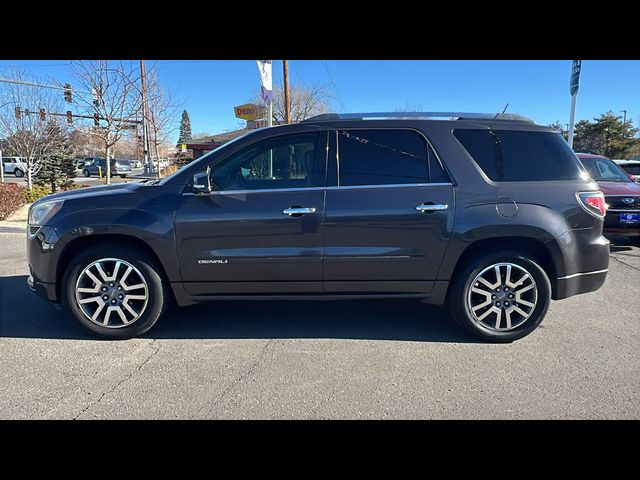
(327,117)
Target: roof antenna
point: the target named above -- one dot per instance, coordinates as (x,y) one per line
(505,109)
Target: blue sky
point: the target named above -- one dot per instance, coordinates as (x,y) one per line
(538,89)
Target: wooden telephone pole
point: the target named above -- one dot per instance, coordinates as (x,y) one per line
(287,100)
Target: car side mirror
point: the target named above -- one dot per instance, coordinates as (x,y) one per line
(201,182)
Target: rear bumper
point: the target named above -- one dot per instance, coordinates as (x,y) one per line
(579,283)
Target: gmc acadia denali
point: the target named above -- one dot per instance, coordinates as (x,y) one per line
(491,215)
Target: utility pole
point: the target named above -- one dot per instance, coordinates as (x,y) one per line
(625,116)
(148,166)
(1,168)
(287,100)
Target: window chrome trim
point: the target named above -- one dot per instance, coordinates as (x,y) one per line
(636,209)
(566,277)
(311,189)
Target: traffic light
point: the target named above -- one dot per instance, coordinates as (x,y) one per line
(67,93)
(18,113)
(69,117)
(96,120)
(96,97)
(43,114)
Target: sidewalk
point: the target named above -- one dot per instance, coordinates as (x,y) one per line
(16,222)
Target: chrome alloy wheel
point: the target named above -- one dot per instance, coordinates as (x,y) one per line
(502,297)
(112,293)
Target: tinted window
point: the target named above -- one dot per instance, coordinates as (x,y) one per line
(632,169)
(379,157)
(517,156)
(285,162)
(604,170)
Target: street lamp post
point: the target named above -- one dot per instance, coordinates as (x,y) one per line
(625,116)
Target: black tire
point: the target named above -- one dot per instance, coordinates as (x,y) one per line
(123,176)
(18,173)
(457,298)
(158,294)
(86,173)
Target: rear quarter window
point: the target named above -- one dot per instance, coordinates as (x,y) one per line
(519,156)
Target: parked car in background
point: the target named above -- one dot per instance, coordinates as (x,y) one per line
(491,215)
(98,166)
(164,164)
(621,194)
(79,163)
(135,163)
(632,167)
(15,165)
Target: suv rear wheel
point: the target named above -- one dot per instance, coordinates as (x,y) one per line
(501,296)
(115,291)
(18,173)
(86,173)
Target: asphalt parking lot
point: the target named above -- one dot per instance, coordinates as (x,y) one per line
(321,359)
(80,179)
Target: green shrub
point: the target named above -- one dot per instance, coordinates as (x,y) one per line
(35,193)
(11,199)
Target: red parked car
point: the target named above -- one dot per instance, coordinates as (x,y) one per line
(621,194)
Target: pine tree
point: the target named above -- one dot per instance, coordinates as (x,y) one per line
(57,166)
(607,135)
(185,129)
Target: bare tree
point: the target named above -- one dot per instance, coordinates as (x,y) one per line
(25,133)
(115,99)
(306,101)
(163,111)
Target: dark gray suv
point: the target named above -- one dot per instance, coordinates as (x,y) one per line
(491,215)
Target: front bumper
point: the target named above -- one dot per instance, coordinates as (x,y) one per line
(45,290)
(43,251)
(579,283)
(613,225)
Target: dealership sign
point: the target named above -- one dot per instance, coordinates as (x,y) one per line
(250,111)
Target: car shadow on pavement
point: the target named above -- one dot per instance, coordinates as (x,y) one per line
(24,315)
(622,243)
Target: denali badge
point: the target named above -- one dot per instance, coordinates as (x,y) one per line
(628,200)
(211,261)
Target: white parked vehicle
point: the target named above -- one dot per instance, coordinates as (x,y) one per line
(15,165)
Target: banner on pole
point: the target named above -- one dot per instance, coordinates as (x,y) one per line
(574,83)
(266,79)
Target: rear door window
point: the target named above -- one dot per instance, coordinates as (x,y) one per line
(520,156)
(386,157)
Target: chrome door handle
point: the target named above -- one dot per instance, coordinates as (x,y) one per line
(431,208)
(299,210)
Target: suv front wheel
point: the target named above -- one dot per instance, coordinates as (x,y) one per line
(115,291)
(18,173)
(501,296)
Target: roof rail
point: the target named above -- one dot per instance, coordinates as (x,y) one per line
(327,117)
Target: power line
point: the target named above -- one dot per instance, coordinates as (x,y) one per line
(335,86)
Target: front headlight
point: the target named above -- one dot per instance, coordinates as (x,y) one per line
(43,212)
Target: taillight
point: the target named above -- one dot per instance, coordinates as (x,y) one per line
(593,202)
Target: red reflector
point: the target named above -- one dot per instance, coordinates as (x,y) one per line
(594,201)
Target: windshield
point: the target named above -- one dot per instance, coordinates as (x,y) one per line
(604,170)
